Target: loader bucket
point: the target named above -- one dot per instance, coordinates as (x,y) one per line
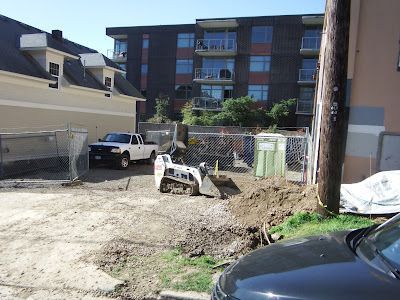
(218,186)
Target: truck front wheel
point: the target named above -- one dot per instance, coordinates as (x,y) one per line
(152,158)
(123,162)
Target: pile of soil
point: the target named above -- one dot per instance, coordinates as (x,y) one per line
(220,242)
(272,200)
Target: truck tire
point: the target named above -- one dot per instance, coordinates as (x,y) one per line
(123,162)
(152,158)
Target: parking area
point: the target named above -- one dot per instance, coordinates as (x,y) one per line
(50,237)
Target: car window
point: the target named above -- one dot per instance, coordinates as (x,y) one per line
(117,138)
(134,140)
(387,241)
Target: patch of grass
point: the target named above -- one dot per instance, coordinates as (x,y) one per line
(303,223)
(187,274)
(199,281)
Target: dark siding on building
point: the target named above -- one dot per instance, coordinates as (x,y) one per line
(285,58)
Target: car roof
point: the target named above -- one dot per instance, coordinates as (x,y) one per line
(119,132)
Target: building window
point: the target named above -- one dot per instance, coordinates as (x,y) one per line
(217,91)
(184,66)
(144,69)
(121,47)
(309,63)
(183,91)
(143,92)
(261,34)
(260,63)
(185,40)
(54,69)
(145,43)
(107,82)
(219,63)
(312,33)
(306,94)
(258,92)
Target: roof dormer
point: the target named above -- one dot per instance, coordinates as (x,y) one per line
(49,51)
(101,67)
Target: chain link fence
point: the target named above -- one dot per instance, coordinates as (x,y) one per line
(245,153)
(240,150)
(47,154)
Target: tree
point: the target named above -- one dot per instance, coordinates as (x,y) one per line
(204,118)
(237,112)
(188,116)
(279,111)
(161,115)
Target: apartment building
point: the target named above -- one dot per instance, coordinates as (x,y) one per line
(47,80)
(269,58)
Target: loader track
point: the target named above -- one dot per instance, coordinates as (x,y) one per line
(179,186)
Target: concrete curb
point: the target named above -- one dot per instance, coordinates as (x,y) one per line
(173,295)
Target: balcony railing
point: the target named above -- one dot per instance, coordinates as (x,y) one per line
(313,43)
(304,107)
(216,45)
(307,75)
(207,103)
(213,75)
(117,55)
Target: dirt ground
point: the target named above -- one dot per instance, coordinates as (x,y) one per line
(65,242)
(271,201)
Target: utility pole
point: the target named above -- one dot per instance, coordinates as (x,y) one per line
(334,78)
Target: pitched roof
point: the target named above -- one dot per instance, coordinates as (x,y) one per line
(12,59)
(125,88)
(77,75)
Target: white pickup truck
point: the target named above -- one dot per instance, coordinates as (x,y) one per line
(120,148)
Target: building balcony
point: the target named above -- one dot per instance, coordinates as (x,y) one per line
(305,107)
(313,20)
(310,45)
(117,56)
(207,103)
(217,24)
(216,47)
(214,76)
(306,77)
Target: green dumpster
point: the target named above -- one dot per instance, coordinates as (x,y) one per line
(269,155)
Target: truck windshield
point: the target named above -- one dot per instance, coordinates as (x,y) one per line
(117,138)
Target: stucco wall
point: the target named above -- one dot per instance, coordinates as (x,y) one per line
(374,83)
(97,124)
(25,103)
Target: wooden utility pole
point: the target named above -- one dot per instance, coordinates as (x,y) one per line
(334,78)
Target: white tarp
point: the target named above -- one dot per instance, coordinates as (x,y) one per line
(378,194)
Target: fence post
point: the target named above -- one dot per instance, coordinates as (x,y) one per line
(70,151)
(305,145)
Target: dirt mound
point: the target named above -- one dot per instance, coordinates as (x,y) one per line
(271,200)
(220,242)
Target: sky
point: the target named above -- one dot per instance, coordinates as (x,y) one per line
(85,21)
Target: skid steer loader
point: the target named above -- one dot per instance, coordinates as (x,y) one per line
(176,178)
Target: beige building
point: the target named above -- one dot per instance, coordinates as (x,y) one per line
(373,89)
(46,80)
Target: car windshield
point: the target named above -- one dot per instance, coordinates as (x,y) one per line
(384,242)
(117,138)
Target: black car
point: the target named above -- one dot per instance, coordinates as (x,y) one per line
(359,264)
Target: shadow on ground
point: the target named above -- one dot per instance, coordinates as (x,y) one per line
(103,173)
